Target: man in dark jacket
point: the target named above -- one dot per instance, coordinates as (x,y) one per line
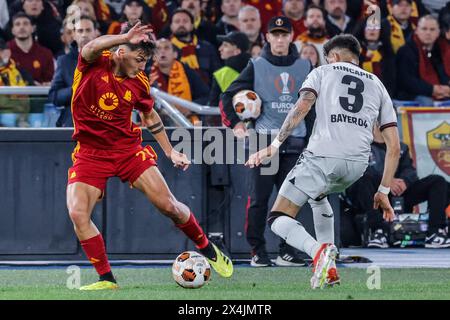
(198,54)
(406,184)
(234,52)
(422,72)
(48,23)
(61,89)
(337,21)
(229,20)
(276,77)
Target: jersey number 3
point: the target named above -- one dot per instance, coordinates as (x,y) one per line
(358,101)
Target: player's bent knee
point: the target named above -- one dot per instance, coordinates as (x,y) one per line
(169,207)
(282,224)
(80,218)
(322,207)
(273,215)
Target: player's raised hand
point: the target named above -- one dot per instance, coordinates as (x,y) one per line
(179,160)
(381,200)
(139,32)
(257,158)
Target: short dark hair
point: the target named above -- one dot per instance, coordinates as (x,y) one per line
(181,10)
(86,17)
(147,47)
(315,6)
(343,41)
(21,14)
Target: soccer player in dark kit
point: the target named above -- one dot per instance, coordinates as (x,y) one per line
(107,86)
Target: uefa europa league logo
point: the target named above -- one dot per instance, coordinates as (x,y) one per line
(285,79)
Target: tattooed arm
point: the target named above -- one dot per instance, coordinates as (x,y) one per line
(154,124)
(294,117)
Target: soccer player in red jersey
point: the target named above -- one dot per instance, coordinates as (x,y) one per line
(107,86)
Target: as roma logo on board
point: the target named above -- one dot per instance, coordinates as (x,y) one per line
(438,141)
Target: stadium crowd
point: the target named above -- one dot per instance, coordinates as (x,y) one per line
(409,52)
(203,45)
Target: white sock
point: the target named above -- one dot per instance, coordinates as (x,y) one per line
(295,235)
(323,220)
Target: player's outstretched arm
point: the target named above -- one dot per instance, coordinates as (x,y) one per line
(93,49)
(155,125)
(391,138)
(294,117)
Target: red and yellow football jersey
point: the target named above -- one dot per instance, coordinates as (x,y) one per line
(102,105)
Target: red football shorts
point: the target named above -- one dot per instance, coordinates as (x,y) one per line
(95,166)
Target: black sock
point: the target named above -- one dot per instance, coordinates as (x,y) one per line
(108,277)
(209,252)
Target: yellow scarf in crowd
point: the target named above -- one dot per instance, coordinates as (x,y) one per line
(371,61)
(188,54)
(414,18)
(10,75)
(179,82)
(305,37)
(176,84)
(397,36)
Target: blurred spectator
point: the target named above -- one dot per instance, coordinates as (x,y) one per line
(46,19)
(377,55)
(316,32)
(295,11)
(159,14)
(11,75)
(250,24)
(399,23)
(417,9)
(176,78)
(423,74)
(234,52)
(61,88)
(204,29)
(133,11)
(406,184)
(267,9)
(198,54)
(80,8)
(255,50)
(28,54)
(229,20)
(337,21)
(309,52)
(211,10)
(154,11)
(4,19)
(98,10)
(66,37)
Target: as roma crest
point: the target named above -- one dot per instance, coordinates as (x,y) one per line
(438,141)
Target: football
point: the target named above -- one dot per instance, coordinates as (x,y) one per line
(247,104)
(191,270)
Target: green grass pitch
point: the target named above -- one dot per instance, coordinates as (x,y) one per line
(246,283)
